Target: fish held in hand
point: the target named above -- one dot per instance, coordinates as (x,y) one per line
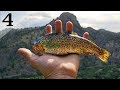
(62,44)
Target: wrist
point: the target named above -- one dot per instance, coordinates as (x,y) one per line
(61,75)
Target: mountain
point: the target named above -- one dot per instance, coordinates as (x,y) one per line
(5,31)
(64,17)
(13,65)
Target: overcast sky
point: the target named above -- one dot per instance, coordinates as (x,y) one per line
(109,20)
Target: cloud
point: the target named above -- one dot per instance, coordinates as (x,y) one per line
(105,20)
(40,14)
(109,20)
(32,21)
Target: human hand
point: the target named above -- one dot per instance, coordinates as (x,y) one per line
(55,67)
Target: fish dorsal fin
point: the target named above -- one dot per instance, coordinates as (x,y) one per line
(74,33)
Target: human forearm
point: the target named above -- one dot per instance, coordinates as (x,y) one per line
(60,77)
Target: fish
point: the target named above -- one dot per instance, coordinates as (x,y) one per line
(65,43)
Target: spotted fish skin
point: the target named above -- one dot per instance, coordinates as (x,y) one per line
(61,44)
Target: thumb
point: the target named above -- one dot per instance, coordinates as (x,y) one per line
(27,54)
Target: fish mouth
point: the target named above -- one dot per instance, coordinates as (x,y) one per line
(35,49)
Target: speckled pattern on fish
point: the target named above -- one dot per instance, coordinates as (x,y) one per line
(61,44)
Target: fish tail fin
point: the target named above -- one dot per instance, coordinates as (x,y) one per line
(104,55)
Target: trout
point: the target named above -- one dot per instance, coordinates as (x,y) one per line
(65,43)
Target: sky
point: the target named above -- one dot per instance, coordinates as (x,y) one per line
(108,20)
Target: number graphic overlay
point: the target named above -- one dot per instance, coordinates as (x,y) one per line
(9,16)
